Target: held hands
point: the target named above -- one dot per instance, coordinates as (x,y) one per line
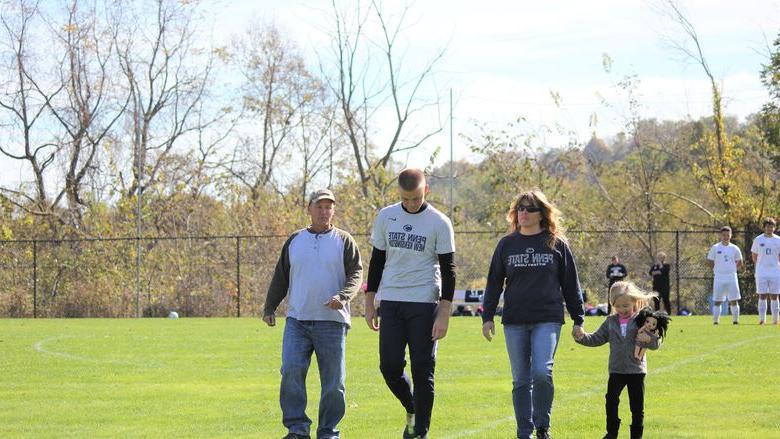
(578,332)
(489,330)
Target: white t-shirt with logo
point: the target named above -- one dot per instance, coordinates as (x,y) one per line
(768,249)
(412,242)
(725,258)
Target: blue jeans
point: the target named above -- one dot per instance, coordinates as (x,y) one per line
(327,340)
(531,349)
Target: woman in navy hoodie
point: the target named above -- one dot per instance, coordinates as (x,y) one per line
(534,269)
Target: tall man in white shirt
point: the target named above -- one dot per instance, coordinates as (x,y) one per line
(725,259)
(766,257)
(412,267)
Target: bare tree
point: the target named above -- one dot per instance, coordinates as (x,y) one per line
(285,105)
(167,74)
(24,102)
(362,89)
(318,143)
(91,104)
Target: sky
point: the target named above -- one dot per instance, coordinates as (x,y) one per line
(504,59)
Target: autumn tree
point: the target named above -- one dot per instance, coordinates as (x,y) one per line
(720,155)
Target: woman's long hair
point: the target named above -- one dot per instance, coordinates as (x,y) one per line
(550,215)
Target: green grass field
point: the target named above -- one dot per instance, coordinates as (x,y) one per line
(219,378)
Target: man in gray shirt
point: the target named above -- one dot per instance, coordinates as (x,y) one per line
(319,271)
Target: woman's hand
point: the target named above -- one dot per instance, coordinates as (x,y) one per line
(488,330)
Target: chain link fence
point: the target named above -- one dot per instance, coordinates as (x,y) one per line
(229,275)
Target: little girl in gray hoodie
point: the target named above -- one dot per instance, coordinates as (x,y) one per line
(625,370)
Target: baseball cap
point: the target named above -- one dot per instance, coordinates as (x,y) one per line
(321,194)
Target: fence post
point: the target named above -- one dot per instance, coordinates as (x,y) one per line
(138,276)
(238,276)
(35,279)
(677,266)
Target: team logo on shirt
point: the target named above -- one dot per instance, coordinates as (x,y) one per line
(407,227)
(530,259)
(406,240)
(720,251)
(761,244)
(529,250)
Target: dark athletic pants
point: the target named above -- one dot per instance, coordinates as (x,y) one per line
(636,399)
(664,295)
(402,324)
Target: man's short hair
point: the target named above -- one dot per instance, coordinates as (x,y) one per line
(411,178)
(725,229)
(769,220)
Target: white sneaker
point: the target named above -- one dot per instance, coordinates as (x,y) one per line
(409,430)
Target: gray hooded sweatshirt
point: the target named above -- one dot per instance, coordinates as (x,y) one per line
(621,349)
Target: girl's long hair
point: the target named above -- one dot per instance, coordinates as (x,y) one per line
(550,215)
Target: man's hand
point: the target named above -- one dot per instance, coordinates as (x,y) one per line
(488,330)
(442,321)
(578,332)
(269,319)
(334,302)
(372,319)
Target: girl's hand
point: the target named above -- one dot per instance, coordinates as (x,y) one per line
(577,332)
(643,337)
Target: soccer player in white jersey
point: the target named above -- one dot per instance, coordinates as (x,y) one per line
(725,259)
(766,257)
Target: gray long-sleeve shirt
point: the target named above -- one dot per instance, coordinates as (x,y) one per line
(621,349)
(312,268)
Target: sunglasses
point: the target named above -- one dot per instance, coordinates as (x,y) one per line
(529,209)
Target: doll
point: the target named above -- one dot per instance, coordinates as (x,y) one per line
(650,322)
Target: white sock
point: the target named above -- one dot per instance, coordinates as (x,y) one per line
(735,312)
(761,310)
(775,310)
(716,313)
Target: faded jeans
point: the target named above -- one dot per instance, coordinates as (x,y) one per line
(531,348)
(326,339)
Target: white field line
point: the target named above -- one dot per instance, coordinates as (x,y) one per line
(696,358)
(39,347)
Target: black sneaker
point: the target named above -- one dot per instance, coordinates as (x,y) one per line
(297,436)
(736,323)
(543,433)
(714,323)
